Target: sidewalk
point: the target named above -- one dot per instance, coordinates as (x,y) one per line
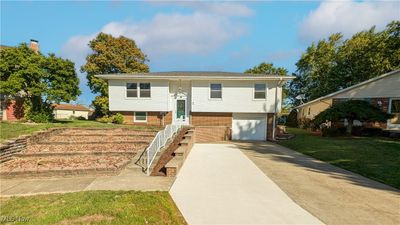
(129,179)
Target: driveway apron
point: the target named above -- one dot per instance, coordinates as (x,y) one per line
(218,184)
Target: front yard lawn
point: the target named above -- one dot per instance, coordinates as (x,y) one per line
(94,207)
(13,130)
(373,157)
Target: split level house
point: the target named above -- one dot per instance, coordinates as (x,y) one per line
(382,91)
(221,105)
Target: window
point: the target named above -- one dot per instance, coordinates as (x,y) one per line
(395,106)
(216,91)
(131,90)
(309,110)
(145,90)
(140,117)
(259,91)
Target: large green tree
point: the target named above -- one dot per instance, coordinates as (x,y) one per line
(111,55)
(352,110)
(334,63)
(38,79)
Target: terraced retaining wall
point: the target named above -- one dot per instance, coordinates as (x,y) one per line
(11,147)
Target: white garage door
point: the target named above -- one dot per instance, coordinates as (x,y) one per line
(249,127)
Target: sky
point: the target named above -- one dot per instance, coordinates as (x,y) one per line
(190,35)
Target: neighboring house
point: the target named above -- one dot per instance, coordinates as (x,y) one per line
(219,104)
(67,111)
(382,91)
(11,107)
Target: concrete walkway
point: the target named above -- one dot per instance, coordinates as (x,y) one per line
(218,184)
(130,178)
(334,195)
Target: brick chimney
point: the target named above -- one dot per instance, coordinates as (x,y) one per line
(34,46)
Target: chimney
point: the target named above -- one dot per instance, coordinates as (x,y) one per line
(34,45)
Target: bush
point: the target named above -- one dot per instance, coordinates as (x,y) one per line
(81,118)
(39,117)
(292,119)
(118,118)
(333,131)
(105,119)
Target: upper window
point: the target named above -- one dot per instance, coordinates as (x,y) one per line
(131,90)
(259,91)
(145,91)
(215,90)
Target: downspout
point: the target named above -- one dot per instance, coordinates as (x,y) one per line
(275,108)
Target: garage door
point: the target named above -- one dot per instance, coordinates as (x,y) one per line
(249,127)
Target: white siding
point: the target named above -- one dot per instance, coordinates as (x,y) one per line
(158,101)
(66,114)
(237,96)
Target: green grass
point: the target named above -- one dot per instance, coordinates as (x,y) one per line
(12,130)
(94,207)
(373,157)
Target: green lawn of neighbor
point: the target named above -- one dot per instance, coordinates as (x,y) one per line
(377,158)
(11,130)
(94,207)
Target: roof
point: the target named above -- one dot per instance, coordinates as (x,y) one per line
(350,88)
(71,107)
(195,75)
(4,46)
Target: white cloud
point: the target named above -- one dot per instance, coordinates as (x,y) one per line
(347,17)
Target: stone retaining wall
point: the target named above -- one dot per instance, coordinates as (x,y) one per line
(11,147)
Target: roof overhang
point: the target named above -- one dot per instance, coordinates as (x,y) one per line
(349,88)
(183,77)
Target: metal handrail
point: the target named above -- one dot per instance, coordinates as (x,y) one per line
(159,142)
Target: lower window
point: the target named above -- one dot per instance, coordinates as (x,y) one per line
(140,117)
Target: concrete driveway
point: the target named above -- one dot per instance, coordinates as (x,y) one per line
(218,184)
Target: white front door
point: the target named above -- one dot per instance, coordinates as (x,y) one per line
(181,112)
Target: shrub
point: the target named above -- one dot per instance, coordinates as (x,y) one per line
(367,132)
(292,119)
(118,118)
(39,117)
(81,118)
(105,119)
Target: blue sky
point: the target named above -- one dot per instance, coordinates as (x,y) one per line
(210,36)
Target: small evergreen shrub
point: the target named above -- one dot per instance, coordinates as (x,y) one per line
(39,117)
(118,118)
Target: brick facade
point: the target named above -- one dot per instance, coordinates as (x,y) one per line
(14,109)
(211,119)
(153,118)
(206,134)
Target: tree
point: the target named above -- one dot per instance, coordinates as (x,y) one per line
(267,68)
(334,63)
(111,55)
(39,80)
(352,110)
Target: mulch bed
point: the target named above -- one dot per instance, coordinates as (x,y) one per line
(114,147)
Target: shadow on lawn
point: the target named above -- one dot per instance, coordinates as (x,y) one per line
(281,153)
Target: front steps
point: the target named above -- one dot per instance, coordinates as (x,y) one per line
(172,158)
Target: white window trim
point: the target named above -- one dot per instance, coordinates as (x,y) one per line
(254,92)
(209,91)
(390,104)
(139,121)
(126,90)
(137,91)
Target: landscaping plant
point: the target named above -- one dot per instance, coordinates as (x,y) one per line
(351,110)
